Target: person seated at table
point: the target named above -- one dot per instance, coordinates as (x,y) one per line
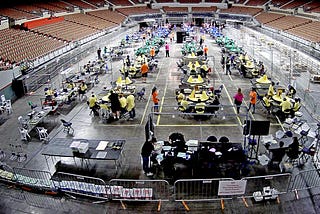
(293,149)
(124,70)
(177,140)
(271,91)
(267,102)
(243,69)
(296,106)
(204,96)
(213,104)
(197,64)
(193,70)
(193,94)
(82,90)
(93,105)
(132,70)
(180,96)
(291,91)
(285,109)
(261,68)
(185,106)
(123,103)
(203,70)
(200,109)
(49,94)
(277,154)
(71,85)
(278,97)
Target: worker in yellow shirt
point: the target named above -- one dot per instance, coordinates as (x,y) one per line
(271,89)
(123,103)
(131,106)
(92,102)
(285,108)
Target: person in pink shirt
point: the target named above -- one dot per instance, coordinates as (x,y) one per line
(167,49)
(238,98)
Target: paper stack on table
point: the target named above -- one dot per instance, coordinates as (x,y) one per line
(101,155)
(102,145)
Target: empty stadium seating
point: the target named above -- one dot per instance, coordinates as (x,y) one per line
(204,9)
(239,1)
(288,22)
(256,2)
(294,4)
(137,10)
(121,2)
(189,1)
(109,15)
(82,4)
(312,5)
(49,37)
(164,1)
(29,9)
(50,7)
(98,3)
(213,1)
(15,49)
(61,4)
(65,30)
(279,3)
(175,9)
(309,31)
(265,17)
(90,21)
(242,10)
(16,14)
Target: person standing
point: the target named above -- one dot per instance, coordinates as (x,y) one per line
(228,66)
(123,103)
(238,98)
(167,47)
(146,152)
(152,53)
(144,71)
(128,61)
(99,53)
(155,99)
(131,107)
(115,105)
(253,100)
(92,102)
(82,90)
(205,51)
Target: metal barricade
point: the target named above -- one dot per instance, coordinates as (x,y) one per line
(305,180)
(139,190)
(197,189)
(279,182)
(82,185)
(34,179)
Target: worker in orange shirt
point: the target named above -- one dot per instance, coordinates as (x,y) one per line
(205,51)
(155,99)
(152,53)
(144,71)
(253,100)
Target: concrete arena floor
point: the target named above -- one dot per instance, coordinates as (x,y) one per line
(89,127)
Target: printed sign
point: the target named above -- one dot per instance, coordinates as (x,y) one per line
(237,187)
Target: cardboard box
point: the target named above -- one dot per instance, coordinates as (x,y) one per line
(83,147)
(75,146)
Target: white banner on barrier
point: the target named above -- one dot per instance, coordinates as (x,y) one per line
(237,187)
